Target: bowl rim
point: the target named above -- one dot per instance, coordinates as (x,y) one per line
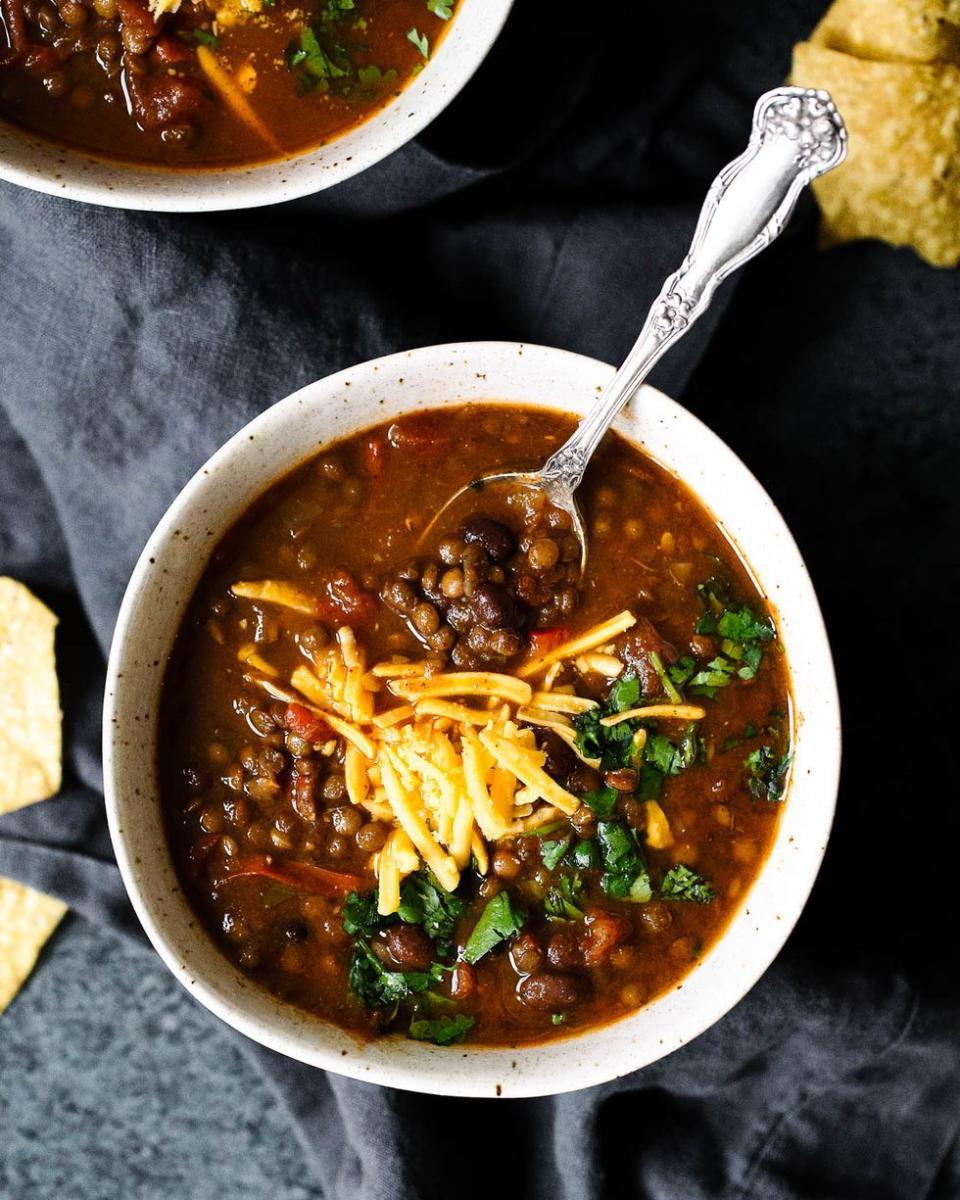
(483,1071)
(31,161)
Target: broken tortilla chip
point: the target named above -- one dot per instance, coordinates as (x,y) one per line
(921,31)
(30,714)
(27,919)
(901,180)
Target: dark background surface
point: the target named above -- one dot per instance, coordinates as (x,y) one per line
(546,205)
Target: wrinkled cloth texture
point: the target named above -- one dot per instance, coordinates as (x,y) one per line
(546,205)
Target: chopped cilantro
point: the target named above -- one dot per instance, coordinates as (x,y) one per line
(625,874)
(743,626)
(682,671)
(424,902)
(378,987)
(441,8)
(624,694)
(557,1018)
(602,801)
(498,921)
(359,915)
(420,40)
(584,856)
(442,1031)
(768,774)
(552,852)
(680,883)
(743,634)
(670,758)
(666,682)
(562,902)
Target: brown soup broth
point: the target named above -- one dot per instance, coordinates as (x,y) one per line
(355,511)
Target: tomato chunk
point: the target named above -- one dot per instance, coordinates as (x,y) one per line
(602,933)
(306,724)
(543,641)
(346,601)
(302,877)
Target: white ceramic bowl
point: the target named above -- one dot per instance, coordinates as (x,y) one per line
(167,574)
(34,163)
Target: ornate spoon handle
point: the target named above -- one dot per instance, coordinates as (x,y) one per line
(797,135)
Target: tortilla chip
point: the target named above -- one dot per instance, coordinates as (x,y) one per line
(30,712)
(923,31)
(27,918)
(901,180)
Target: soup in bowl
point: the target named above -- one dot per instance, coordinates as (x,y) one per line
(442,811)
(198,104)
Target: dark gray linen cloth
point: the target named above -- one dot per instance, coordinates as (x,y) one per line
(546,205)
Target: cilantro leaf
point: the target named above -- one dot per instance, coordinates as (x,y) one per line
(666,682)
(585,855)
(441,8)
(424,902)
(625,874)
(360,914)
(603,801)
(768,774)
(498,921)
(743,626)
(680,883)
(562,902)
(420,40)
(442,1031)
(552,852)
(377,987)
(624,694)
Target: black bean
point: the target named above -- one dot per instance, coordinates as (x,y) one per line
(495,538)
(583,779)
(550,992)
(493,606)
(559,755)
(563,951)
(410,946)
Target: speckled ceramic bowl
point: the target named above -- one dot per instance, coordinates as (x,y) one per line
(34,163)
(168,571)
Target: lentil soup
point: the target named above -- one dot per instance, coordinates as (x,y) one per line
(453,789)
(208,83)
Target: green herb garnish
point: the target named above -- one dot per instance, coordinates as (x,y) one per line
(378,987)
(625,875)
(441,8)
(498,921)
(420,40)
(680,883)
(562,902)
(442,1031)
(552,852)
(768,774)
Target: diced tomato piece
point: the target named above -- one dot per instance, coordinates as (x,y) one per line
(374,456)
(347,601)
(542,641)
(302,877)
(306,724)
(172,50)
(602,933)
(420,432)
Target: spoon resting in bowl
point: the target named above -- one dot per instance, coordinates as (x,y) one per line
(797,136)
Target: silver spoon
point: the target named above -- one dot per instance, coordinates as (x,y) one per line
(797,135)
